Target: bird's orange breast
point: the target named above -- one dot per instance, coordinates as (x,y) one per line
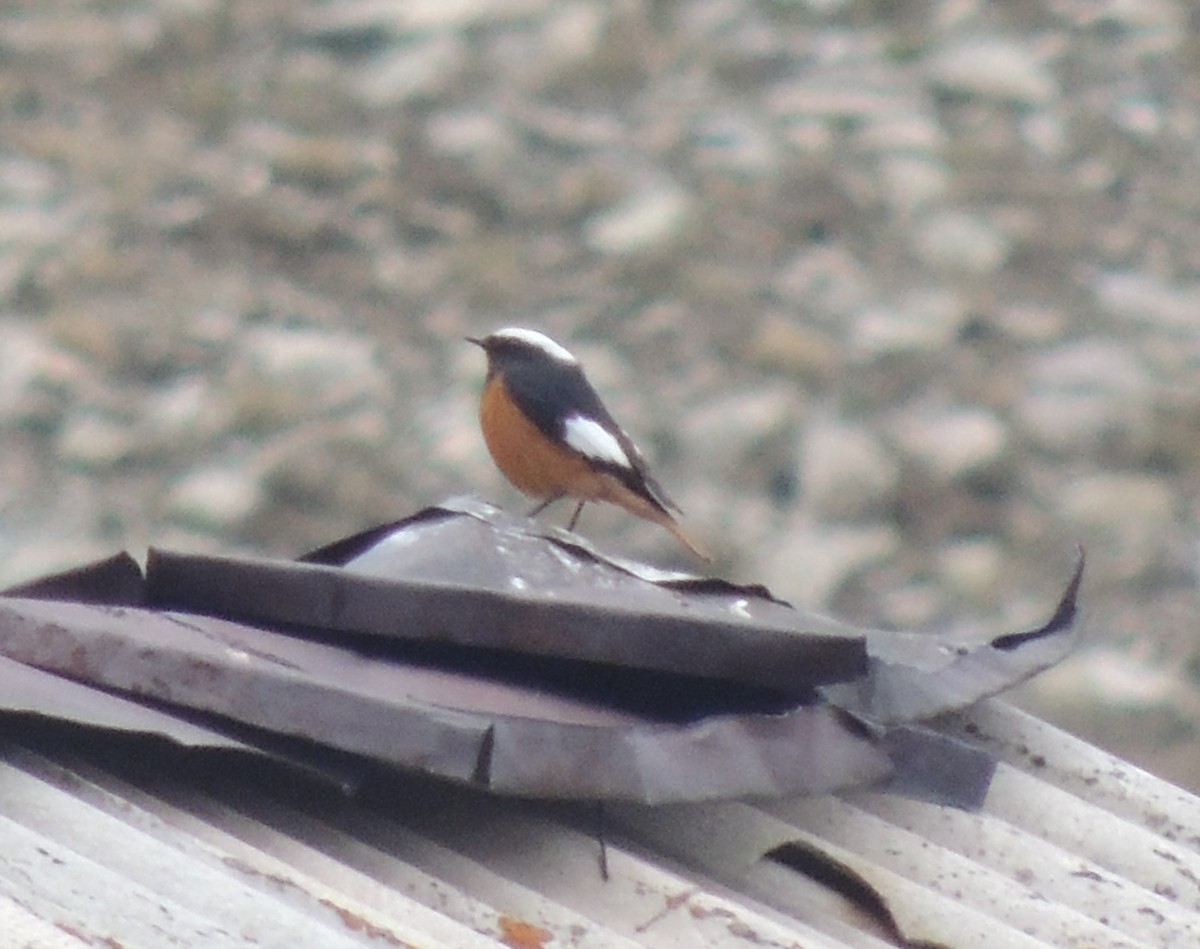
(534,463)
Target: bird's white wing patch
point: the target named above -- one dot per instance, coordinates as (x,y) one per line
(589,437)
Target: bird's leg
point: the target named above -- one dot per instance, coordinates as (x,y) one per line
(575,517)
(544,504)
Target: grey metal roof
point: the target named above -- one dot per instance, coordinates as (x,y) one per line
(350,752)
(108,841)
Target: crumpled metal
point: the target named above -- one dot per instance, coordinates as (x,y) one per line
(489,650)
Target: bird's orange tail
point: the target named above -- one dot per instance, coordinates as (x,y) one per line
(672,525)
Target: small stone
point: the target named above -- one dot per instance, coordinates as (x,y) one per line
(286,214)
(1162,20)
(319,161)
(733,143)
(1124,519)
(972,568)
(642,222)
(93,439)
(1141,117)
(1047,133)
(925,322)
(826,7)
(916,604)
(573,33)
(215,499)
(744,437)
(1130,699)
(994,68)
(845,474)
(957,242)
(912,172)
(793,347)
(34,220)
(912,182)
(288,374)
(1030,323)
(425,69)
(359,26)
(1143,299)
(186,411)
(36,377)
(1090,395)
(951,443)
(810,563)
(476,137)
(826,284)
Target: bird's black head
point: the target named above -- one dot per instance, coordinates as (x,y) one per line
(515,346)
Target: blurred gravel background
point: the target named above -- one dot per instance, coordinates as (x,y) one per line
(902,298)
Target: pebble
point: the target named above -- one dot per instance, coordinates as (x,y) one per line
(33,220)
(952,442)
(845,473)
(973,568)
(573,34)
(284,374)
(1047,133)
(795,348)
(405,72)
(93,439)
(1121,690)
(913,175)
(913,182)
(828,285)
(994,68)
(216,499)
(1088,396)
(188,411)
(480,139)
(38,380)
(1123,518)
(644,221)
(1162,20)
(318,161)
(1033,324)
(925,322)
(1137,297)
(355,25)
(912,605)
(732,143)
(811,562)
(959,242)
(744,437)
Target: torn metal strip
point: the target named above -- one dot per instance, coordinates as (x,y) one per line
(116,580)
(509,738)
(538,602)
(914,677)
(28,690)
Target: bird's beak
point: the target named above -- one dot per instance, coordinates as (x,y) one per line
(472,339)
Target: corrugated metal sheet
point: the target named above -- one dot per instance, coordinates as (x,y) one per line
(114,841)
(177,780)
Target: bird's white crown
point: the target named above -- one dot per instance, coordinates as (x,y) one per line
(537,340)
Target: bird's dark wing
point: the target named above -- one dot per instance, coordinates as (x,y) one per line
(548,396)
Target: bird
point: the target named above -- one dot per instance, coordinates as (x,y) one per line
(551,436)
